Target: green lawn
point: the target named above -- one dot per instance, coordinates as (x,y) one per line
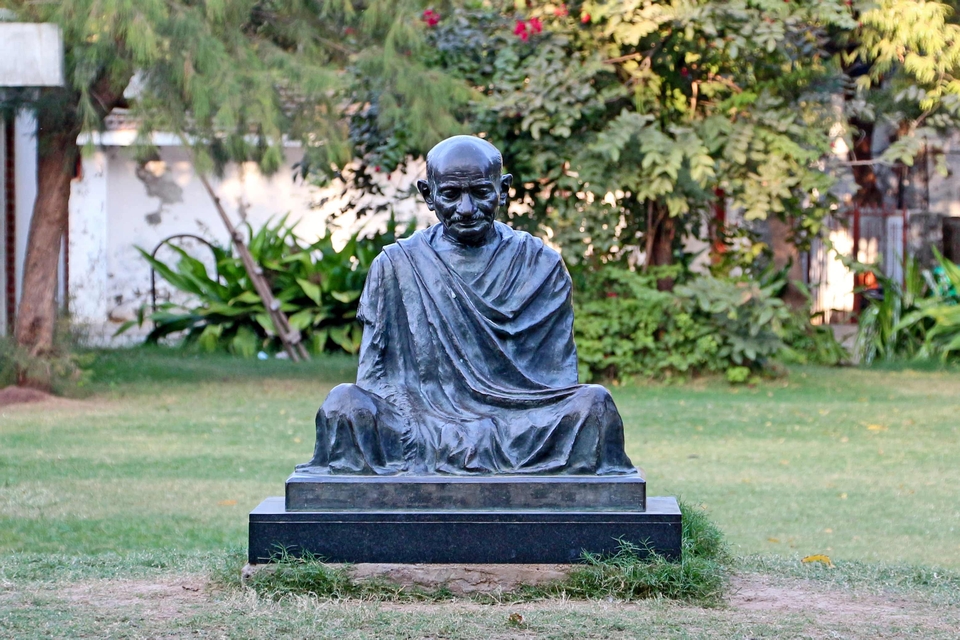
(172,451)
(116,509)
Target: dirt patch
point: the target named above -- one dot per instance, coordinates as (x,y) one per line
(24,398)
(784,606)
(763,594)
(156,599)
(21,395)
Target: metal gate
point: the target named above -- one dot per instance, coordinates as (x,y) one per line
(868,235)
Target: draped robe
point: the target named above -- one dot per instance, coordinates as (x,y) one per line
(468,366)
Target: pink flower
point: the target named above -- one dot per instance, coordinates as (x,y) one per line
(560,11)
(535,25)
(431,17)
(585,18)
(521,30)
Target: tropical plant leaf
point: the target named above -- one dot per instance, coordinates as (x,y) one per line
(300,275)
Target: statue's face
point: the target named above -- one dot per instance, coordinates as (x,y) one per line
(465,189)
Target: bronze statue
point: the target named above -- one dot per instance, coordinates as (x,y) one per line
(468,364)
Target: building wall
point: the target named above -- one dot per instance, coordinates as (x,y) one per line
(119,204)
(25,185)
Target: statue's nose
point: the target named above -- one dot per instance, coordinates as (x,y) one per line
(466,204)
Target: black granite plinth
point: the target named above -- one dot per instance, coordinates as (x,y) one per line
(306,492)
(460,536)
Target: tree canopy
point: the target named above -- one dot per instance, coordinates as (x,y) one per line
(629,122)
(236,79)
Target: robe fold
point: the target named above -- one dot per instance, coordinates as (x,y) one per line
(468,366)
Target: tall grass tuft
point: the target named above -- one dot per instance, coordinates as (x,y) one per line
(632,574)
(308,575)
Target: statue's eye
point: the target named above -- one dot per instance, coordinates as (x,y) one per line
(482,192)
(448,194)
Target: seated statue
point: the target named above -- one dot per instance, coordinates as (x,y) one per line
(468,364)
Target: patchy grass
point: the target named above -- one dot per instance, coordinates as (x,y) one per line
(121,514)
(115,597)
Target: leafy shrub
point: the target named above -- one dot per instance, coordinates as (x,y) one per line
(624,327)
(317,287)
(807,343)
(745,318)
(920,319)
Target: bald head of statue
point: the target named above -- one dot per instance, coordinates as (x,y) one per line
(465,187)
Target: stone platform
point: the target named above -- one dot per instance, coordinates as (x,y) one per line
(311,492)
(460,536)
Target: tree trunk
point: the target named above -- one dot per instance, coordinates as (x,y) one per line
(869,193)
(784,253)
(57,158)
(661,229)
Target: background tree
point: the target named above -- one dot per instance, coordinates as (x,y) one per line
(627,121)
(630,123)
(234,77)
(902,60)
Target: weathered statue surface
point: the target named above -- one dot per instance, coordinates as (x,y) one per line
(468,364)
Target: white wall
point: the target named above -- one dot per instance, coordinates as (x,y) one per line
(25,185)
(3,229)
(31,55)
(119,205)
(88,240)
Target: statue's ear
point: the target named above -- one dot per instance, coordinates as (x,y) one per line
(505,181)
(424,188)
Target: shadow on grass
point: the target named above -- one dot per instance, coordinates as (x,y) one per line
(630,574)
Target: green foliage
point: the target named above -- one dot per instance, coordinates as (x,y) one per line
(235,79)
(918,320)
(625,327)
(317,287)
(615,115)
(807,343)
(914,53)
(746,318)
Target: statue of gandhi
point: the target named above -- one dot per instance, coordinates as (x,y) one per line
(468,364)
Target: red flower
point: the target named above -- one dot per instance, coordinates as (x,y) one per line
(431,17)
(521,30)
(535,25)
(585,18)
(560,11)
(684,72)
